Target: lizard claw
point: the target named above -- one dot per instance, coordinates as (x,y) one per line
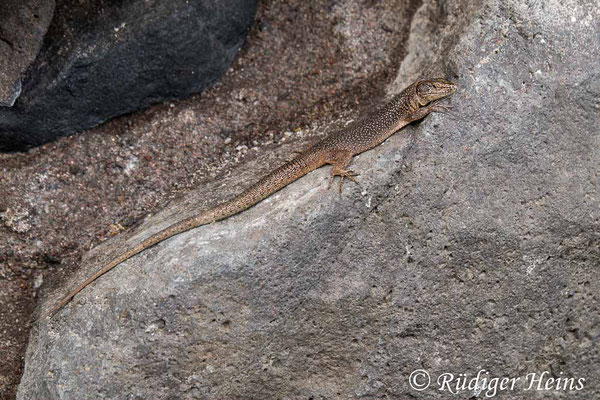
(342,173)
(438,107)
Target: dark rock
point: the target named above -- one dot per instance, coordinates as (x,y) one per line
(472,244)
(23,24)
(108,58)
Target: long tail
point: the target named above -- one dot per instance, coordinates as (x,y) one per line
(270,184)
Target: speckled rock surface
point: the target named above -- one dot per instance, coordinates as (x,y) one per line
(472,244)
(23,24)
(102,59)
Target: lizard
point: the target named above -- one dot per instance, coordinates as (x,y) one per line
(412,104)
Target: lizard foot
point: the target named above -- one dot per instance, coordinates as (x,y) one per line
(342,173)
(441,108)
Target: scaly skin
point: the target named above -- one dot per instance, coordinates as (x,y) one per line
(412,104)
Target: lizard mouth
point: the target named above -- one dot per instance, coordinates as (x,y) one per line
(434,89)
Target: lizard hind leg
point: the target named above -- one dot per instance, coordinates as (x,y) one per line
(342,173)
(338,168)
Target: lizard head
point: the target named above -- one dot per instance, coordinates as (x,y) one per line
(433,89)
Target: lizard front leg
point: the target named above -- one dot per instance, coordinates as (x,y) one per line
(424,111)
(340,160)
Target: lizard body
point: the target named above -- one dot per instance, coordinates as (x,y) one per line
(413,103)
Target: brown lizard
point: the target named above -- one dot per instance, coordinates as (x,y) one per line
(412,104)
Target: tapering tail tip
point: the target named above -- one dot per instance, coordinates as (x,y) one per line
(48,314)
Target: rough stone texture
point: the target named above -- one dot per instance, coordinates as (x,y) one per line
(61,199)
(104,59)
(23,24)
(472,244)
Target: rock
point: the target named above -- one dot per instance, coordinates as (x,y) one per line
(472,244)
(23,24)
(104,60)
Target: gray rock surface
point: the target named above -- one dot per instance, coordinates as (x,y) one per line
(23,24)
(104,59)
(472,244)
